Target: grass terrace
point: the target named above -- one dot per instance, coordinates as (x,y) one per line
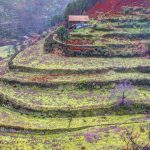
(76,139)
(29,123)
(44,100)
(33,57)
(109,77)
(126,31)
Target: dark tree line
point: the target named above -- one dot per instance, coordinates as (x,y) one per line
(79,6)
(76,7)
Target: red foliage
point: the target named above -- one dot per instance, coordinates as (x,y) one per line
(40,79)
(79,42)
(45,78)
(73,48)
(115,6)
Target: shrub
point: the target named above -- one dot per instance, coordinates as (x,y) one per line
(62,34)
(48,45)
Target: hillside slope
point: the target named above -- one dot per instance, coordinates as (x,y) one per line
(22,17)
(56,101)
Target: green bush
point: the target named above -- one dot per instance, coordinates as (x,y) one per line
(62,34)
(48,45)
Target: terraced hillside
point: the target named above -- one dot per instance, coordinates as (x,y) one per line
(70,103)
(120,36)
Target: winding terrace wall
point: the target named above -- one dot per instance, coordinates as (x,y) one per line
(65,112)
(10,62)
(74,84)
(80,47)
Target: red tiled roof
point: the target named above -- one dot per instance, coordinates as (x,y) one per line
(81,18)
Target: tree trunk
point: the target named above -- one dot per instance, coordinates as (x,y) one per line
(123,98)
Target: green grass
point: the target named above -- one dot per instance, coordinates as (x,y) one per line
(34,57)
(110,137)
(28,122)
(4,51)
(49,99)
(75,79)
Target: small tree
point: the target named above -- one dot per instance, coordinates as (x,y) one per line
(62,34)
(122,91)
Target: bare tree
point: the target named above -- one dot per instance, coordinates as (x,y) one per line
(131,138)
(122,91)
